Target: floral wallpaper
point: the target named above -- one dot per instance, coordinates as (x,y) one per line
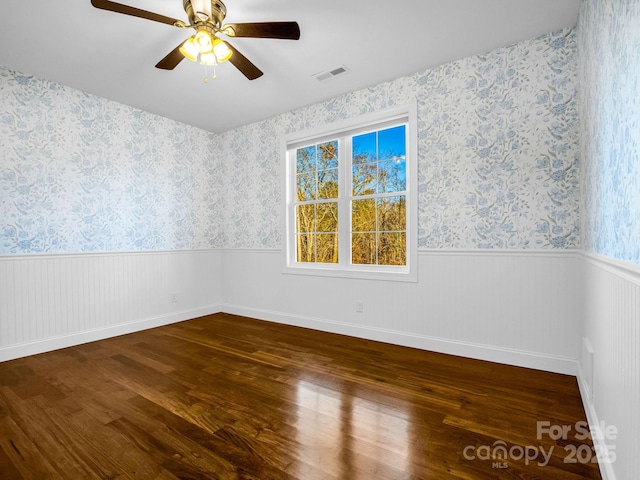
(609,81)
(80,173)
(498,162)
(498,152)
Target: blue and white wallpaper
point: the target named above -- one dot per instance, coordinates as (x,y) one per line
(80,173)
(498,162)
(609,82)
(498,152)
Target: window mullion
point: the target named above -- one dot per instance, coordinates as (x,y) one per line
(293,201)
(344,214)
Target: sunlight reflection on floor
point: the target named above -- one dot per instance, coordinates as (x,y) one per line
(330,429)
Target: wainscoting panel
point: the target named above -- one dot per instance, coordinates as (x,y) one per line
(53,301)
(511,307)
(610,374)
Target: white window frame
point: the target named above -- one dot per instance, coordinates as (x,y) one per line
(405,114)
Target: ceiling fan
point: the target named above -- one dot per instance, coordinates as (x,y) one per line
(206,18)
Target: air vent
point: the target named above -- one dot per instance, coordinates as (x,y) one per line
(329,74)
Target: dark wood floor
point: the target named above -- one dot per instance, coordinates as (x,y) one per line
(226,397)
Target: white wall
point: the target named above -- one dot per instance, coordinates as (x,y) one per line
(79,175)
(518,308)
(609,106)
(610,379)
(54,301)
(498,212)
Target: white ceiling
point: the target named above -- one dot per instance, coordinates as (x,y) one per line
(113,55)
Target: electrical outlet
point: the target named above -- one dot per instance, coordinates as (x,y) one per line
(174,297)
(360,306)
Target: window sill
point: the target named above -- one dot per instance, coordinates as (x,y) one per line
(395,275)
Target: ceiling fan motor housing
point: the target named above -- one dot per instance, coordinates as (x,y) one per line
(218,12)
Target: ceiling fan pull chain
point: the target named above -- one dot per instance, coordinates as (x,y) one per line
(206,73)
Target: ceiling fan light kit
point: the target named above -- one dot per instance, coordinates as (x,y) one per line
(206,17)
(188,49)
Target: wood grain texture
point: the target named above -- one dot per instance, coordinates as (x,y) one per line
(228,397)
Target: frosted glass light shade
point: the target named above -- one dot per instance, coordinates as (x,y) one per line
(189,50)
(222,50)
(203,41)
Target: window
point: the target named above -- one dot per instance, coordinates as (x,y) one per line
(350,198)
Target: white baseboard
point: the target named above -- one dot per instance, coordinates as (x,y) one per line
(600,444)
(64,341)
(550,363)
(490,353)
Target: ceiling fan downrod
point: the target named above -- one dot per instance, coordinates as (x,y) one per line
(209,11)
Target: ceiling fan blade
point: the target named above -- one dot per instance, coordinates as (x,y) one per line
(284,30)
(243,64)
(172,60)
(134,12)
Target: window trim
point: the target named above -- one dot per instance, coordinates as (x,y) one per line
(353,126)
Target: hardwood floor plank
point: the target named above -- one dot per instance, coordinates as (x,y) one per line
(7,467)
(27,457)
(177,454)
(92,451)
(227,397)
(237,451)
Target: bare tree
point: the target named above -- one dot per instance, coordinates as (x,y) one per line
(378,218)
